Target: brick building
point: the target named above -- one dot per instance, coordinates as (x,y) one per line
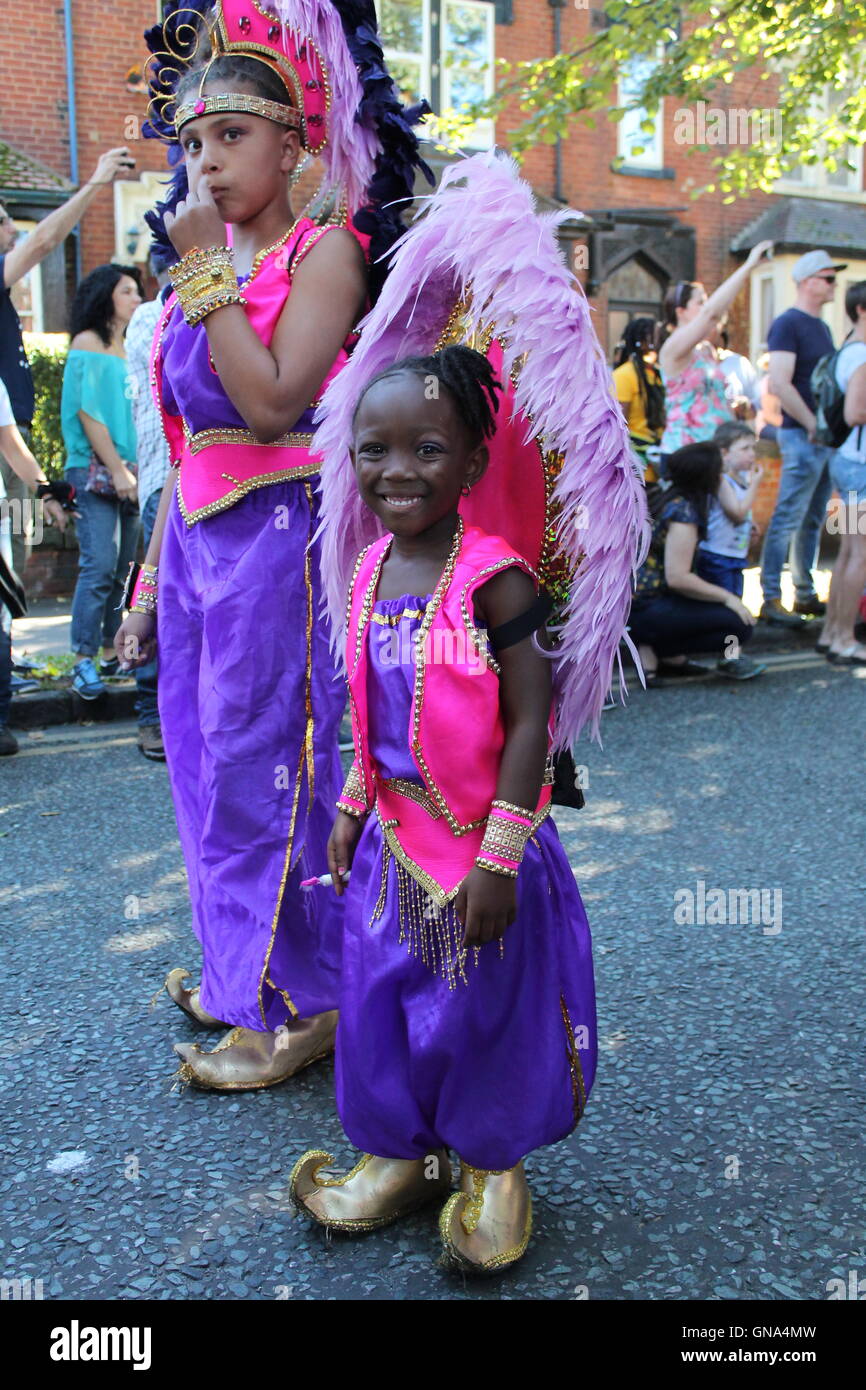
(640,230)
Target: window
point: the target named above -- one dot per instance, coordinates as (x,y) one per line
(637,147)
(817,179)
(442,50)
(27,292)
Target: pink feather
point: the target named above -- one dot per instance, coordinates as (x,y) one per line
(350,155)
(480,230)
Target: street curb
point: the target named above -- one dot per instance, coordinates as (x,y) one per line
(43,708)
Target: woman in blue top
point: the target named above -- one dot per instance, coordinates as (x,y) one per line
(96,415)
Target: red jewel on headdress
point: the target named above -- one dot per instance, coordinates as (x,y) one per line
(244,23)
(314,120)
(274,32)
(199,107)
(302,52)
(312,84)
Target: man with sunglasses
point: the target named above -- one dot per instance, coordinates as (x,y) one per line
(797,339)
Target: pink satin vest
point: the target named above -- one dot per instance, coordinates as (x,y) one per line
(456,732)
(217,467)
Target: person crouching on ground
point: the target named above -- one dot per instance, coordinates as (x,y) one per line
(675,612)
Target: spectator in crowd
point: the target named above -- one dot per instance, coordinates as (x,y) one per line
(848,474)
(741,376)
(28,470)
(638,385)
(697,401)
(797,339)
(723,552)
(99,436)
(153,466)
(17,259)
(768,420)
(675,613)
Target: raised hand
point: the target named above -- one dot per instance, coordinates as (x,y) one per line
(195,222)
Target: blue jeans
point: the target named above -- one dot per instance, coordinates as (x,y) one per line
(108,533)
(797,522)
(724,570)
(145,676)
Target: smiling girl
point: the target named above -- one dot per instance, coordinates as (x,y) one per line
(260,320)
(467,1001)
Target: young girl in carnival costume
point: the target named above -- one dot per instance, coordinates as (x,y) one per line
(467,1010)
(260,319)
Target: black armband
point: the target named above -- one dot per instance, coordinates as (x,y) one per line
(508,634)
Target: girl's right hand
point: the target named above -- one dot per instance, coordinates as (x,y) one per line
(125,484)
(737,606)
(135,640)
(341,848)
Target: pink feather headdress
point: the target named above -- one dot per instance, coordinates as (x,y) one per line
(480,243)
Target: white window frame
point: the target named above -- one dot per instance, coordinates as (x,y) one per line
(815,181)
(433,64)
(652,156)
(482,134)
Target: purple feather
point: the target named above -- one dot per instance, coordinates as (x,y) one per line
(480,231)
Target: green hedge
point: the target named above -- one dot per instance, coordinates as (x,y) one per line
(47,367)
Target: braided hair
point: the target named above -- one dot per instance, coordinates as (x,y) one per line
(466,375)
(637,339)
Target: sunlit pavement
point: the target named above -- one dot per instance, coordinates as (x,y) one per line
(721,1154)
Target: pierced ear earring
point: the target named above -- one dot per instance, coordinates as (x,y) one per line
(466,489)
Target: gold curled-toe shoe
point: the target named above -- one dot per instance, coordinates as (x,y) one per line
(245,1060)
(371,1195)
(188,999)
(485,1226)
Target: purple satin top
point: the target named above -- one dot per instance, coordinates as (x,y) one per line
(191,387)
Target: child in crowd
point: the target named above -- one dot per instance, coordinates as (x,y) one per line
(467,1008)
(722,554)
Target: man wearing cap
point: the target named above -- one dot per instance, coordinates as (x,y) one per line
(797,339)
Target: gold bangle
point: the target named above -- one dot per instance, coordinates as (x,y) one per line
(505,835)
(205,280)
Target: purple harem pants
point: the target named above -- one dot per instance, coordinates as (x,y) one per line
(250,708)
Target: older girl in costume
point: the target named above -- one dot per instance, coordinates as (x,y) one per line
(260,320)
(467,1002)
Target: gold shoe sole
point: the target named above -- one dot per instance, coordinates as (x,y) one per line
(355,1226)
(187,1076)
(455,1258)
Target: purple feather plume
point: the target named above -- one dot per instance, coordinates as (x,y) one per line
(481,232)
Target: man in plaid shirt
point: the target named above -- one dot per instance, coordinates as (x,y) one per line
(153,467)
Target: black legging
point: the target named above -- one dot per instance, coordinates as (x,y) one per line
(674,625)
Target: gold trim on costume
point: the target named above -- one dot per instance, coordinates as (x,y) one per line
(482,643)
(578,1089)
(392,619)
(241,489)
(204,439)
(415,792)
(429,884)
(306,756)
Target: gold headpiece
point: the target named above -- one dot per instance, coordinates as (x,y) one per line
(184,41)
(235,101)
